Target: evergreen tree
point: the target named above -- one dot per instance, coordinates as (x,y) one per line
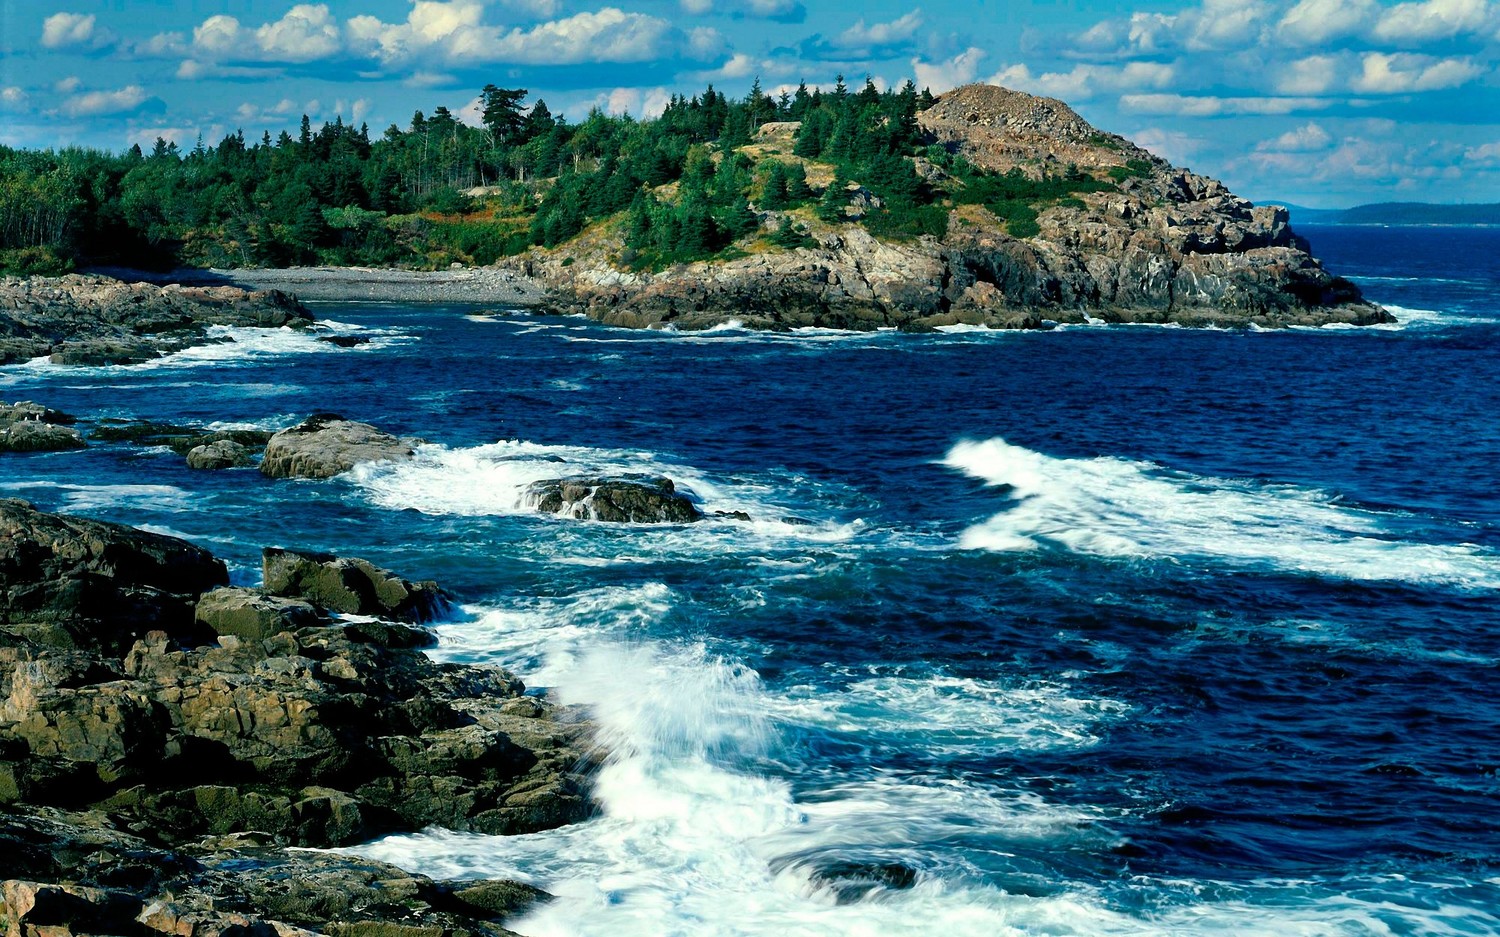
(797,189)
(834,200)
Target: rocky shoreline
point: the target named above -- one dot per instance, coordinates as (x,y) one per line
(164,737)
(97,320)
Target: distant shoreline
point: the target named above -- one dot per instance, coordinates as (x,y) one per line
(490,285)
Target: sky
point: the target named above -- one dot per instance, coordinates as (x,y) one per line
(1325,103)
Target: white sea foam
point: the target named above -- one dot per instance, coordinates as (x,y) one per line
(693,840)
(498,480)
(954,714)
(1121,508)
(85,498)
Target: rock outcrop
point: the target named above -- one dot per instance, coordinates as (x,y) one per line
(351,586)
(96,320)
(31,427)
(326,444)
(628,499)
(150,780)
(219,454)
(1163,245)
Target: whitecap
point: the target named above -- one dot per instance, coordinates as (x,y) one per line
(1121,508)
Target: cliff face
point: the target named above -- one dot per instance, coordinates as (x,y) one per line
(1167,246)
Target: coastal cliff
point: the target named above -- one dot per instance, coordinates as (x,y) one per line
(1152,243)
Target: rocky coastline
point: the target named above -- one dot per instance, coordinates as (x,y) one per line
(1166,246)
(97,320)
(164,737)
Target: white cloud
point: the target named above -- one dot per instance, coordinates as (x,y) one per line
(1209,106)
(1402,73)
(161,45)
(962,69)
(1085,81)
(1315,74)
(860,36)
(1313,22)
(1173,145)
(610,35)
(1408,23)
(305,34)
(1225,24)
(68,85)
(1309,138)
(13,98)
(68,30)
(96,103)
(1487,154)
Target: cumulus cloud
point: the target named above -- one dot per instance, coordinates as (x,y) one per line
(880,35)
(1486,154)
(1085,81)
(1313,22)
(454,32)
(68,85)
(96,103)
(1412,23)
(1309,138)
(306,33)
(1402,73)
(1315,74)
(13,98)
(1173,145)
(962,69)
(75,30)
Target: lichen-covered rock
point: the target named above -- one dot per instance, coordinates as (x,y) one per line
(222,454)
(628,499)
(76,582)
(251,615)
(326,444)
(352,586)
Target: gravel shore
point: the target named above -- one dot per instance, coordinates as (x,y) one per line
(464,285)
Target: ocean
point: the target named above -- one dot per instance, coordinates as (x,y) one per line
(1103,630)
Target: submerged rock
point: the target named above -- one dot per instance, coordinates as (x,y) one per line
(326,444)
(631,499)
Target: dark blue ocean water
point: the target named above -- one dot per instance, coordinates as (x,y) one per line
(1115,630)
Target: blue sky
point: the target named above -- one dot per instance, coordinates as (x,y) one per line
(1321,102)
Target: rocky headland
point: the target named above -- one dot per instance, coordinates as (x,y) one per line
(165,736)
(1163,245)
(98,320)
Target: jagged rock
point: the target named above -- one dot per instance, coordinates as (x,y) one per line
(225,453)
(71,873)
(344,341)
(635,500)
(352,586)
(96,320)
(71,581)
(326,444)
(251,615)
(27,410)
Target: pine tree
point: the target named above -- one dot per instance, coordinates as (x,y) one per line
(797,189)
(835,198)
(774,194)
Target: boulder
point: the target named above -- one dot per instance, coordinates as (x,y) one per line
(225,453)
(180,439)
(30,427)
(32,436)
(326,444)
(634,499)
(252,615)
(72,581)
(351,586)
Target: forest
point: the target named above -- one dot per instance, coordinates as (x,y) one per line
(687,185)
